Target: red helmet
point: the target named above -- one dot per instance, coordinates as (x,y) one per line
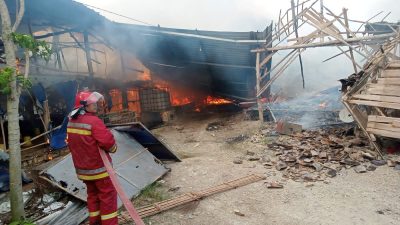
(84,98)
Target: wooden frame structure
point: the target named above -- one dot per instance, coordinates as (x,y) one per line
(381,73)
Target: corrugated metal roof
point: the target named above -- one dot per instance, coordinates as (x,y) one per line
(224,58)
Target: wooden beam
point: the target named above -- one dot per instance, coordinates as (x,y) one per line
(88,58)
(354,41)
(383,126)
(51,34)
(381,98)
(194,196)
(391,73)
(346,25)
(258,77)
(383,119)
(384,133)
(280,72)
(362,123)
(389,81)
(315,23)
(378,104)
(382,91)
(395,64)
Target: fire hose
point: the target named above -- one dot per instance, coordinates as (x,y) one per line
(124,198)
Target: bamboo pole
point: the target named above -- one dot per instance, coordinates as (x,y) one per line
(346,22)
(88,58)
(313,22)
(258,80)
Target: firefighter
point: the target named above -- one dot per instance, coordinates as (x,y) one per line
(86,134)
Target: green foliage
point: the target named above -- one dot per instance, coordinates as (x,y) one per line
(6,76)
(39,48)
(5,79)
(27,42)
(22,222)
(23,82)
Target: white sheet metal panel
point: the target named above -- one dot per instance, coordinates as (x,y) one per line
(135,166)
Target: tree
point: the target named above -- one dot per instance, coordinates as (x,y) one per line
(17,205)
(11,83)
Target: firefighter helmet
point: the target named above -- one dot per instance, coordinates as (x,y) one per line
(85,98)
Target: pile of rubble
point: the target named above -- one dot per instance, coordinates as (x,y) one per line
(311,156)
(315,155)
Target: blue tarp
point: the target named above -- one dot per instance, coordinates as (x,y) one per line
(68,91)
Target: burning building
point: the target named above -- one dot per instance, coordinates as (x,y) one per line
(144,72)
(144,68)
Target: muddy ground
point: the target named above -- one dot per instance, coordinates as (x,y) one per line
(207,160)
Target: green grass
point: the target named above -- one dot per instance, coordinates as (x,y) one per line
(22,222)
(151,194)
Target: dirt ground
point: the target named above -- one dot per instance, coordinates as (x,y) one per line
(207,160)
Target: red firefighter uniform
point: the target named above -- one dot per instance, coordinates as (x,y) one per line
(86,133)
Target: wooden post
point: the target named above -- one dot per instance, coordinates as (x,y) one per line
(88,58)
(3,133)
(346,22)
(123,69)
(46,115)
(295,26)
(258,80)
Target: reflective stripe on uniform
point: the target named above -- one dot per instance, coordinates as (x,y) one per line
(79,131)
(90,172)
(109,216)
(93,177)
(94,214)
(79,125)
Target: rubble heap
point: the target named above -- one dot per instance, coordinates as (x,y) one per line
(311,156)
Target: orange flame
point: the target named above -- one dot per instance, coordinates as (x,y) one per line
(145,76)
(50,156)
(180,101)
(216,101)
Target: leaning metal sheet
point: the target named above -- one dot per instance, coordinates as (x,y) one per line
(135,166)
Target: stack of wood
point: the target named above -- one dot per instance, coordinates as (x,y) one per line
(374,99)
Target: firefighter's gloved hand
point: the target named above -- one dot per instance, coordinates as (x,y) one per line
(113,149)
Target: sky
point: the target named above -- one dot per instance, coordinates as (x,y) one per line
(252,15)
(233,15)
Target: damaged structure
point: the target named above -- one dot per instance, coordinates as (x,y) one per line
(369,94)
(146,73)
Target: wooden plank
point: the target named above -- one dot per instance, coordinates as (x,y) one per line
(384,133)
(381,86)
(381,91)
(380,98)
(383,126)
(362,122)
(378,104)
(383,119)
(394,64)
(390,81)
(390,73)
